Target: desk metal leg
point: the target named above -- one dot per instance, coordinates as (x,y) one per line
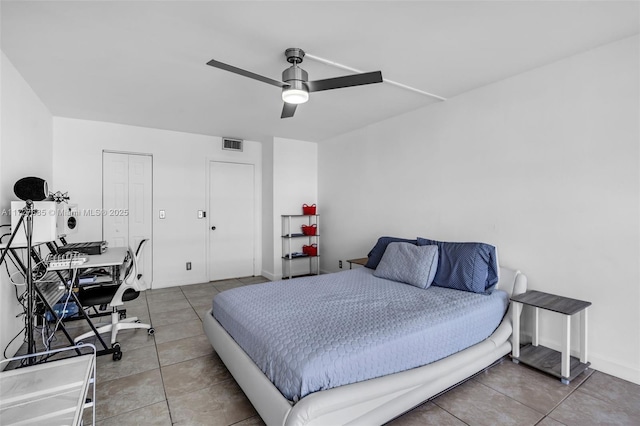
(566,349)
(57,318)
(93,327)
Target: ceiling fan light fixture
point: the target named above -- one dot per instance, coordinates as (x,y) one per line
(295,96)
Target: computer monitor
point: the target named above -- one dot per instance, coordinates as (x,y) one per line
(44,222)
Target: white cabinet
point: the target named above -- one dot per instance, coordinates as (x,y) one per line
(300,245)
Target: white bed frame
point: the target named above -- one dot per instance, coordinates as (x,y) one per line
(374,401)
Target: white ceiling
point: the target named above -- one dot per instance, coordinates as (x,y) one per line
(143,63)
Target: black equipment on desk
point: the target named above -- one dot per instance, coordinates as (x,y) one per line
(91,248)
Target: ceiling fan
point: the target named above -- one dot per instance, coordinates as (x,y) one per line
(295,82)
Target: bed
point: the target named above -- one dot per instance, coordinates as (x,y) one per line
(397,376)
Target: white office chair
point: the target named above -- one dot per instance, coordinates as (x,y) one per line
(115,295)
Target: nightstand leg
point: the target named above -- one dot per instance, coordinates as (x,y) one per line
(534,337)
(583,336)
(515,336)
(566,347)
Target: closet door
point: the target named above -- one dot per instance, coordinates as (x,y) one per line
(141,211)
(127,205)
(115,197)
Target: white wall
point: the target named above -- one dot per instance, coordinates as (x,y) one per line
(545,165)
(180,176)
(25,150)
(269,255)
(292,182)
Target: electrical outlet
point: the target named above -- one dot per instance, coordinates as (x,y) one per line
(162,214)
(188,266)
(340,264)
(200,214)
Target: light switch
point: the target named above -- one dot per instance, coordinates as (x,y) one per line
(200,214)
(163,215)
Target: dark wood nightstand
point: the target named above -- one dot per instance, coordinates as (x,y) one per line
(559,364)
(360,261)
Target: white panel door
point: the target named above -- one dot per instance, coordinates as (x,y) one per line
(231,220)
(141,211)
(127,205)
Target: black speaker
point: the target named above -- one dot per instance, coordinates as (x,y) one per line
(31,188)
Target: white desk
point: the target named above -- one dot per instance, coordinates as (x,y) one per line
(113,256)
(50,291)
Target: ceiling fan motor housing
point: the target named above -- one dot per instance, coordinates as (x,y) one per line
(293,75)
(297,91)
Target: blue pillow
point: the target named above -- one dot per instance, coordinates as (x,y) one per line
(465,266)
(408,263)
(378,250)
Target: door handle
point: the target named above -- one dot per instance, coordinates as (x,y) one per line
(213,228)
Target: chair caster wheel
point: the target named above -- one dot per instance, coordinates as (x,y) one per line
(151,331)
(122,315)
(137,321)
(117,353)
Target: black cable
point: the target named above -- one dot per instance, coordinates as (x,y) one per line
(10,342)
(15,287)
(45,329)
(20,297)
(21,301)
(72,274)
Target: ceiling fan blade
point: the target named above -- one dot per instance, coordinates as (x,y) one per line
(346,81)
(246,73)
(288,110)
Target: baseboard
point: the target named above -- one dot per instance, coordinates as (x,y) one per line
(613,368)
(269,276)
(157,284)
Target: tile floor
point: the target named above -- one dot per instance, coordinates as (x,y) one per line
(174,377)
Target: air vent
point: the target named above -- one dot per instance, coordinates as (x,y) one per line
(232,144)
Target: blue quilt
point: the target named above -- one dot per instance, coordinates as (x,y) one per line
(320,332)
